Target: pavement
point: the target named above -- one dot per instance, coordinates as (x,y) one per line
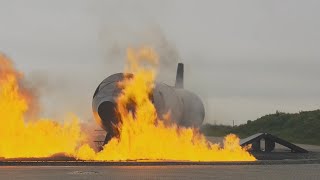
(248,172)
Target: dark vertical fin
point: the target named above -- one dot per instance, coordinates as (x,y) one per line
(179,78)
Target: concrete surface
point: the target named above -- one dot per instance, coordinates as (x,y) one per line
(306,171)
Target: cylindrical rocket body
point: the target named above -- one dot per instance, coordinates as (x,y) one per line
(184,107)
(193,109)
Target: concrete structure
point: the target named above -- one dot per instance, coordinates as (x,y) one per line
(186,108)
(269,143)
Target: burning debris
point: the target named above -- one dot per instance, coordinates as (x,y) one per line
(138,128)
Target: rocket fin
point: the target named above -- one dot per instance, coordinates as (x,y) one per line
(179,77)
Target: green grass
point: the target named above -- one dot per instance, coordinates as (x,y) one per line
(302,127)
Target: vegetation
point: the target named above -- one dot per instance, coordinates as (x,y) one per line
(302,127)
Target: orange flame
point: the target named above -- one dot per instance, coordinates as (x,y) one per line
(36,138)
(144,136)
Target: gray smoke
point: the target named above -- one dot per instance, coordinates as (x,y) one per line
(245,59)
(114,43)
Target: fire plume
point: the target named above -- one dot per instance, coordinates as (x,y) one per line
(144,136)
(34,138)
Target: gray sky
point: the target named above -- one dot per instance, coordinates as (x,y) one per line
(244,58)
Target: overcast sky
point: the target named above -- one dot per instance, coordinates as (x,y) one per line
(244,58)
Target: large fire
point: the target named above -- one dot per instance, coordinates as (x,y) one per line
(36,137)
(142,134)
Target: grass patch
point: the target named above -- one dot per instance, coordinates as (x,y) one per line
(302,127)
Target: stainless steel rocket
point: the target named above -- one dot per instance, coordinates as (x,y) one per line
(186,108)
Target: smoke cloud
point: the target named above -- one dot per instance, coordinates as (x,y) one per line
(114,43)
(245,59)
